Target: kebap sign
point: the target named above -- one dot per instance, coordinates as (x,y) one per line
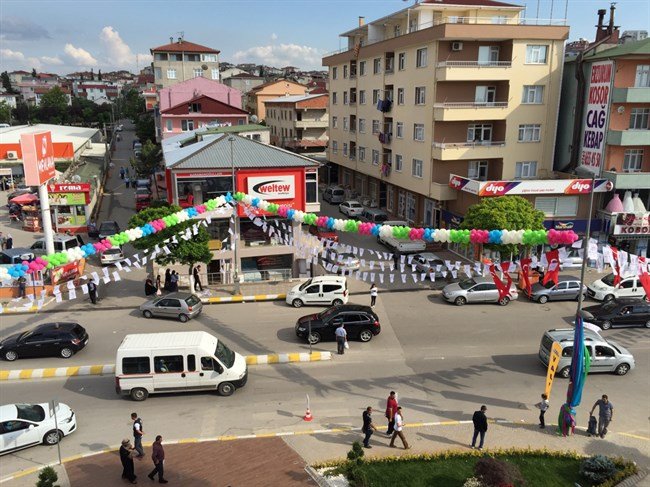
(595,123)
(38,157)
(632,224)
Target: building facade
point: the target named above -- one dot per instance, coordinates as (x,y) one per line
(257,96)
(198,112)
(182,60)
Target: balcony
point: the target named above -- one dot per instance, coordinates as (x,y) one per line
(628,180)
(631,95)
(459,111)
(628,137)
(304,143)
(467,150)
(473,70)
(312,124)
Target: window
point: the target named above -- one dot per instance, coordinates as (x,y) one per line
(410,207)
(334,98)
(375,157)
(399,163)
(345,97)
(311,187)
(529,133)
(526,170)
(187,125)
(485,95)
(420,96)
(375,96)
(375,126)
(533,94)
(335,122)
(642,79)
(209,58)
(416,170)
(633,160)
(362,97)
(345,148)
(214,73)
(335,71)
(421,58)
(362,154)
(400,130)
(195,108)
(197,72)
(345,71)
(168,126)
(400,96)
(639,118)
(362,125)
(557,206)
(390,197)
(160,56)
(478,170)
(335,147)
(191,363)
(345,123)
(157,73)
(136,365)
(376,66)
(536,54)
(479,133)
(168,364)
(171,74)
(362,68)
(418,132)
(401,61)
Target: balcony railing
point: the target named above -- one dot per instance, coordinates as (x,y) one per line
(468,145)
(474,64)
(472,104)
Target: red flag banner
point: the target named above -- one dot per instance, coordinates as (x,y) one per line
(617,268)
(505,267)
(501,287)
(553,271)
(525,269)
(644,277)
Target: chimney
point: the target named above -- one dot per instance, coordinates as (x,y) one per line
(180,39)
(601,31)
(362,21)
(612,7)
(171,40)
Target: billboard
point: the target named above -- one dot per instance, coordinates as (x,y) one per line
(281,186)
(531,186)
(38,157)
(632,224)
(594,131)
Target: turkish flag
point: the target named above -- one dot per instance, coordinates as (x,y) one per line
(553,271)
(525,269)
(644,277)
(617,268)
(504,291)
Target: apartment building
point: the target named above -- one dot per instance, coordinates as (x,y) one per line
(256,97)
(182,60)
(432,103)
(299,123)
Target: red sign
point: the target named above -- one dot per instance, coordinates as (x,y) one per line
(182,175)
(38,157)
(69,188)
(66,272)
(248,180)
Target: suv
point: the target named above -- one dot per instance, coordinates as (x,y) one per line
(106,229)
(373,215)
(61,243)
(334,194)
(360,322)
(46,340)
(620,313)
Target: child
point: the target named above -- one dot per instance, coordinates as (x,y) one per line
(543,406)
(592,427)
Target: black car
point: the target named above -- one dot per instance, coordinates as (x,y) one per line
(46,340)
(621,313)
(106,229)
(360,322)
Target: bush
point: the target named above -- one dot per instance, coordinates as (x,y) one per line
(47,478)
(497,473)
(353,472)
(356,453)
(624,469)
(597,469)
(473,482)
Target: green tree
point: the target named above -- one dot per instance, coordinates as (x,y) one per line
(47,478)
(149,159)
(134,104)
(5,112)
(99,75)
(6,83)
(145,128)
(22,113)
(54,106)
(92,75)
(34,73)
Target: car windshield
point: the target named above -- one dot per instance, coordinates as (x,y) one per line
(380,218)
(108,227)
(609,305)
(323,315)
(608,279)
(466,284)
(113,251)
(192,300)
(224,354)
(304,285)
(31,412)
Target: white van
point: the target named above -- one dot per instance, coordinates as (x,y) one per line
(154,363)
(604,289)
(334,194)
(328,290)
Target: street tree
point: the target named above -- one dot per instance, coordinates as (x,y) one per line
(6,83)
(22,113)
(92,75)
(145,128)
(5,112)
(149,159)
(99,75)
(54,106)
(134,104)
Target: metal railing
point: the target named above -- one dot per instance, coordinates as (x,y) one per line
(472,104)
(265,275)
(456,145)
(474,64)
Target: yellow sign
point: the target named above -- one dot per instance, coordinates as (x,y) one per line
(215,244)
(553,360)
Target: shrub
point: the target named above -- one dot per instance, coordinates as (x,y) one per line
(47,478)
(497,473)
(597,469)
(473,482)
(356,453)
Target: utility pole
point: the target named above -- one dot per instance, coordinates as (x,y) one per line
(235,240)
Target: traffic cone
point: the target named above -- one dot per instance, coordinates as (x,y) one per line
(308,416)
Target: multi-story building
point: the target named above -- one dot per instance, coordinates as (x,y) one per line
(268,91)
(243,81)
(431,103)
(299,123)
(96,90)
(182,60)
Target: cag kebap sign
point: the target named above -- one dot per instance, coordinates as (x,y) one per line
(38,157)
(595,123)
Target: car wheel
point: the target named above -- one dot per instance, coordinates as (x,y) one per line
(606,325)
(10,356)
(147,314)
(226,389)
(504,301)
(52,437)
(542,299)
(647,325)
(460,301)
(314,338)
(183,318)
(337,302)
(66,352)
(622,369)
(365,335)
(565,372)
(139,394)
(297,303)
(608,298)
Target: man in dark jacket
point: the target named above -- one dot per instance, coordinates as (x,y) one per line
(126,457)
(368,428)
(480,426)
(158,457)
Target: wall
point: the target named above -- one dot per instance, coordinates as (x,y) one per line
(187,90)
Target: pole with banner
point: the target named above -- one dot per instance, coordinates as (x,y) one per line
(553,360)
(54,405)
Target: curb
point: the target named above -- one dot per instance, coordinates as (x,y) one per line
(32,309)
(244,299)
(107,369)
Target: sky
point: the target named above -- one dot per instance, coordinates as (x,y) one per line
(63,36)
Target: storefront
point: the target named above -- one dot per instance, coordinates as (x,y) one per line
(70,207)
(628,231)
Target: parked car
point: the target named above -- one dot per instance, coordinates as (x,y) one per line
(142,198)
(428,262)
(606,356)
(351,208)
(567,288)
(604,289)
(619,313)
(183,306)
(346,261)
(16,255)
(402,246)
(107,228)
(61,243)
(476,290)
(46,340)
(334,194)
(119,128)
(323,290)
(111,256)
(25,425)
(374,215)
(324,233)
(360,322)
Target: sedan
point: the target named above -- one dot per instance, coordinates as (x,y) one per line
(568,288)
(360,322)
(182,306)
(324,233)
(46,340)
(111,256)
(620,313)
(476,290)
(346,261)
(351,208)
(106,229)
(25,425)
(427,262)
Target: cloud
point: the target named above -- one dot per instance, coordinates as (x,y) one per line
(17,29)
(9,55)
(282,55)
(34,62)
(118,52)
(55,61)
(80,56)
(274,36)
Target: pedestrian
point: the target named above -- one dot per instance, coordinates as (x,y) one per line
(127,171)
(9,242)
(173,282)
(22,282)
(605,414)
(197,278)
(341,338)
(2,241)
(373,295)
(149,287)
(138,433)
(126,457)
(480,426)
(127,181)
(158,457)
(399,426)
(391,409)
(80,240)
(92,291)
(543,406)
(168,274)
(122,172)
(368,427)
(158,285)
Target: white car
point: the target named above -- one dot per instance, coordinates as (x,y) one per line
(425,261)
(111,256)
(351,208)
(604,289)
(25,425)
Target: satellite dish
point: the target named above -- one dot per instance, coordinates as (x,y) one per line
(254,118)
(76,178)
(204,67)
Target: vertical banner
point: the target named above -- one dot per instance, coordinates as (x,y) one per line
(38,157)
(595,121)
(553,360)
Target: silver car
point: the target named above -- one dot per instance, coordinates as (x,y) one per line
(476,290)
(351,208)
(567,288)
(346,261)
(428,262)
(182,306)
(111,256)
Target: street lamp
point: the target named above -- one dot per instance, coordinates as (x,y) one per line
(235,242)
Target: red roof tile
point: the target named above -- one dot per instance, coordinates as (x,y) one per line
(184,46)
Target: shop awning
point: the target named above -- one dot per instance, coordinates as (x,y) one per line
(24,199)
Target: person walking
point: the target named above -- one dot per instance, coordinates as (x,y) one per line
(126,457)
(127,181)
(373,295)
(368,427)
(391,410)
(138,433)
(605,414)
(543,406)
(341,338)
(173,282)
(158,285)
(122,172)
(480,426)
(3,241)
(149,287)
(197,278)
(158,457)
(399,426)
(9,242)
(92,291)
(168,275)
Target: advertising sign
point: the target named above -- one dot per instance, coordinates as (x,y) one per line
(533,186)
(595,122)
(272,187)
(632,224)
(67,272)
(66,199)
(553,360)
(282,186)
(38,157)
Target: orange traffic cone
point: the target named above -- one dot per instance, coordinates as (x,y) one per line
(308,416)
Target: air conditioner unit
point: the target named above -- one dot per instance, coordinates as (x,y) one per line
(456,46)
(12,155)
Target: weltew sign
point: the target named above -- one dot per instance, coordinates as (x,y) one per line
(595,122)
(272,187)
(38,157)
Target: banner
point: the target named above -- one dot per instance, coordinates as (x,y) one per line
(553,360)
(38,157)
(595,121)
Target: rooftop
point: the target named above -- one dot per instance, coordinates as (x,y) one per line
(184,46)
(276,81)
(640,48)
(60,133)
(294,98)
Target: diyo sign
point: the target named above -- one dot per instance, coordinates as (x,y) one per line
(595,122)
(38,157)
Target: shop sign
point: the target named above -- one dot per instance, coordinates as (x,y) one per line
(272,187)
(208,174)
(69,188)
(65,272)
(533,186)
(563,225)
(66,199)
(460,183)
(632,224)
(38,157)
